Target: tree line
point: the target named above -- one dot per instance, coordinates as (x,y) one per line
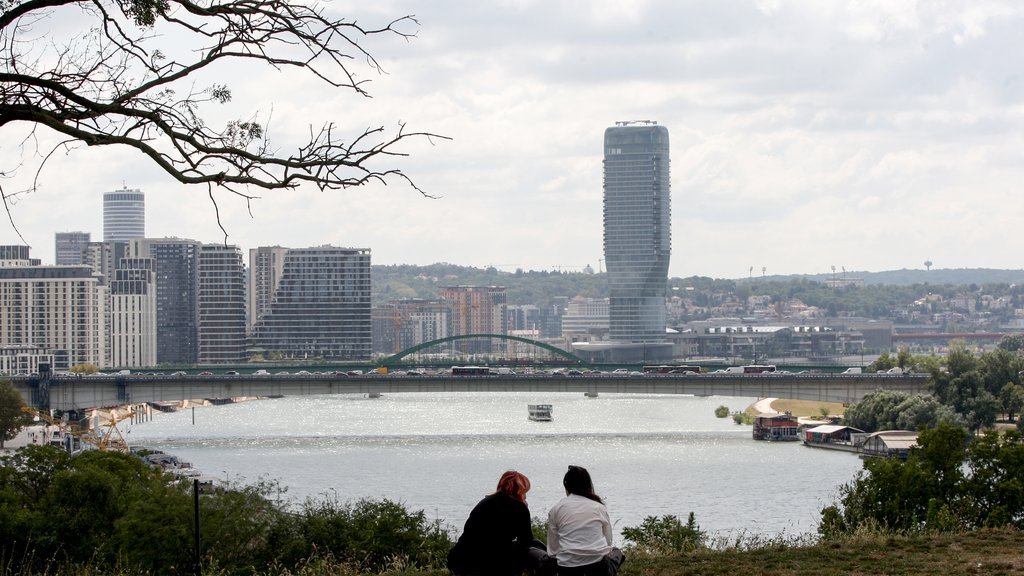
(968,389)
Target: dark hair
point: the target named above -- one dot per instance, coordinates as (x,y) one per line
(577,481)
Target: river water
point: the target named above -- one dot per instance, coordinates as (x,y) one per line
(649,455)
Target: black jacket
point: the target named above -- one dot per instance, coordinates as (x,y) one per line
(495,540)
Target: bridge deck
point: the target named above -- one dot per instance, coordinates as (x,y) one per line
(78,392)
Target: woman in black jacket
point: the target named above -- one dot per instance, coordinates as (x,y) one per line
(497,539)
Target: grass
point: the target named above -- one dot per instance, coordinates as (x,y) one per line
(989,552)
(806,408)
(996,552)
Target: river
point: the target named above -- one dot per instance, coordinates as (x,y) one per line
(649,455)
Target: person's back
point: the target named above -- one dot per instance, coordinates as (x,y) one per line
(498,534)
(583,531)
(580,532)
(493,541)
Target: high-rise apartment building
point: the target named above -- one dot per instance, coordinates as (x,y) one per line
(124,215)
(16,255)
(176,264)
(402,324)
(266,265)
(69,247)
(133,314)
(57,311)
(319,304)
(478,310)
(221,305)
(104,257)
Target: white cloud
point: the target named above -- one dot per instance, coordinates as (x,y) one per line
(805,134)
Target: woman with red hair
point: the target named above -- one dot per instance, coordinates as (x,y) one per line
(497,537)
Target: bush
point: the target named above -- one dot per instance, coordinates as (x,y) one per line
(665,535)
(722,411)
(110,513)
(741,417)
(373,534)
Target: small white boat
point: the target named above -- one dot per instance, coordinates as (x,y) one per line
(540,412)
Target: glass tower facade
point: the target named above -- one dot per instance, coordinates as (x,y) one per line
(637,229)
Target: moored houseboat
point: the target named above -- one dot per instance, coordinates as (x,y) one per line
(889,444)
(774,426)
(834,437)
(539,412)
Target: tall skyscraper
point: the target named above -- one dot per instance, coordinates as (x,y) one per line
(124,215)
(68,247)
(637,231)
(316,306)
(221,301)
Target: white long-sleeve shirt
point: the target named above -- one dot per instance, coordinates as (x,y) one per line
(579,531)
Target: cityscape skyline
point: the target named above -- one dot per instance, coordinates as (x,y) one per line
(865,136)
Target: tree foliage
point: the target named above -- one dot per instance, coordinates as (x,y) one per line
(149,74)
(12,419)
(107,509)
(894,410)
(933,489)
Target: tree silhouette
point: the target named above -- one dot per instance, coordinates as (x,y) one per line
(109,84)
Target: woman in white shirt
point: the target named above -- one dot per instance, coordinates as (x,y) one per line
(579,530)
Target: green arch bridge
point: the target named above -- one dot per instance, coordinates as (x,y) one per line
(569,356)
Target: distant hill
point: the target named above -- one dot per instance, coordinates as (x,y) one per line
(907,277)
(543,287)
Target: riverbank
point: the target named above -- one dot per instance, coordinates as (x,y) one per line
(798,408)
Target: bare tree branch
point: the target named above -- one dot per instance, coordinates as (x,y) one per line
(111,86)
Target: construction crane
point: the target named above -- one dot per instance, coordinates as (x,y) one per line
(109,440)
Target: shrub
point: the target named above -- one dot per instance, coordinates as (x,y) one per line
(741,417)
(665,535)
(374,534)
(722,411)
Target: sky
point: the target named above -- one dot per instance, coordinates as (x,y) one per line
(805,135)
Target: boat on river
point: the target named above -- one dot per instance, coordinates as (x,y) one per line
(539,412)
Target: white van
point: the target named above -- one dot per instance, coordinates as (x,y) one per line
(854,370)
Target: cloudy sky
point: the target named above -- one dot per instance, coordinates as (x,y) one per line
(805,135)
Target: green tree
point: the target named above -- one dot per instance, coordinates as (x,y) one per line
(995,486)
(1012,342)
(86,368)
(882,363)
(12,419)
(1011,397)
(904,359)
(893,410)
(897,495)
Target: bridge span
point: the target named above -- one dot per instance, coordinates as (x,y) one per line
(74,392)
